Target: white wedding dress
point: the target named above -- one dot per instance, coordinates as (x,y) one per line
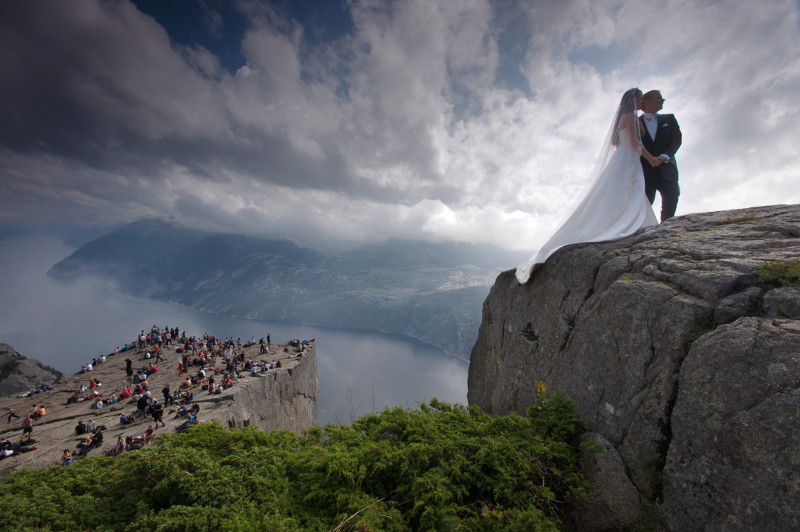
(615,206)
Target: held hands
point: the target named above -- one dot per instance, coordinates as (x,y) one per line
(657,161)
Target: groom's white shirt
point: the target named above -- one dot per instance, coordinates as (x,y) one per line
(651,122)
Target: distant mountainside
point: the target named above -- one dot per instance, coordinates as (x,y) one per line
(432,292)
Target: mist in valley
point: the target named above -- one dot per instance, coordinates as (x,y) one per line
(65,325)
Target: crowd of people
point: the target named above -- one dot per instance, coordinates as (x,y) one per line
(207,365)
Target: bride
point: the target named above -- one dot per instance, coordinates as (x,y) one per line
(615,206)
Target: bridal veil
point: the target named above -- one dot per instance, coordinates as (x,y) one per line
(614,204)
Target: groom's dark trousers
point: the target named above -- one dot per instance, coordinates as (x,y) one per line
(663,178)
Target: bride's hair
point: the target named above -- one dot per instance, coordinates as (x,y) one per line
(627,105)
(628,102)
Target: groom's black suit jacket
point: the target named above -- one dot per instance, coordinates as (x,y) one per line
(667,141)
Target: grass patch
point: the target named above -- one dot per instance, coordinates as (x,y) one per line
(779,273)
(741,219)
(650,520)
(528,333)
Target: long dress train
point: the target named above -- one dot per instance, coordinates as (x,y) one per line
(615,206)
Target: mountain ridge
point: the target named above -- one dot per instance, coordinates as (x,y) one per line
(432,292)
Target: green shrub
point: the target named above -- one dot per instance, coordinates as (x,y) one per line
(779,272)
(442,467)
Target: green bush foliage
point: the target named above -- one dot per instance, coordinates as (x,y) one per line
(779,273)
(442,467)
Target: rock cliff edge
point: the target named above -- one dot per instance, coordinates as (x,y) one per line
(281,398)
(684,360)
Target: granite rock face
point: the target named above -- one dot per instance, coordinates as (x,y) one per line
(734,457)
(685,363)
(19,374)
(274,400)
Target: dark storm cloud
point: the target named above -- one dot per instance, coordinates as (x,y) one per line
(424,119)
(102,84)
(106,88)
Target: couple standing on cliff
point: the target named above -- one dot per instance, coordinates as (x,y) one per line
(636,160)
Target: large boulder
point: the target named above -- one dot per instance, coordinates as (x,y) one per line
(21,375)
(679,355)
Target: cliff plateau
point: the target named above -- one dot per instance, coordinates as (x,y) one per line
(684,359)
(281,398)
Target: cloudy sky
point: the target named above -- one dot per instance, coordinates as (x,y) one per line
(468,120)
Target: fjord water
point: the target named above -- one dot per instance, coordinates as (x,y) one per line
(359,372)
(66,325)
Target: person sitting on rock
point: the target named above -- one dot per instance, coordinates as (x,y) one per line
(149,434)
(88,444)
(188,397)
(80,428)
(191,411)
(119,448)
(8,449)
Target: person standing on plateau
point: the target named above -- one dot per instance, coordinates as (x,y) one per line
(661,136)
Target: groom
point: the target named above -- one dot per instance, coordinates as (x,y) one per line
(661,136)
